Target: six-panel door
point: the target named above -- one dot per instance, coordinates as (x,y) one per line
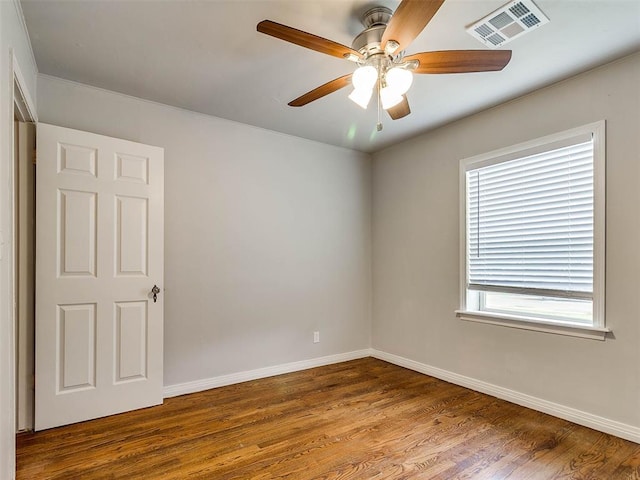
(99,253)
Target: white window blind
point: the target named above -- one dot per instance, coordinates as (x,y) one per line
(530,224)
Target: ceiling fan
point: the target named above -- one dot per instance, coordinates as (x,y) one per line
(379,52)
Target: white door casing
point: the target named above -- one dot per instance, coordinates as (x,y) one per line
(99,253)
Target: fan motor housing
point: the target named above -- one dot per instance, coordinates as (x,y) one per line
(375,21)
(368,42)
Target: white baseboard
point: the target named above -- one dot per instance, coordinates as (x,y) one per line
(223,380)
(590,420)
(586,419)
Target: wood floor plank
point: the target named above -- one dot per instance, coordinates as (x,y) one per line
(359,420)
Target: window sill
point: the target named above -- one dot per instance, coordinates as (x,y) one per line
(526,323)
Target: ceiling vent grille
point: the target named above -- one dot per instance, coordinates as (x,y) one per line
(508,23)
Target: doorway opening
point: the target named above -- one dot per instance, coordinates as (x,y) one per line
(23,253)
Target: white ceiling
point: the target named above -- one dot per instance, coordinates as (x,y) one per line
(206,56)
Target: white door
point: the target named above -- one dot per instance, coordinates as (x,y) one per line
(99,254)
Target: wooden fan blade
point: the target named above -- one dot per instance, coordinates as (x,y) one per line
(304,39)
(409,20)
(460,61)
(400,110)
(321,91)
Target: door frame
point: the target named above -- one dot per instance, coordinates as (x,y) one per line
(21,102)
(25,112)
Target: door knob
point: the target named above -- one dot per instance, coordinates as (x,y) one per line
(155,291)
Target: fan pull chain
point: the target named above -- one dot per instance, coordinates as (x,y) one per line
(379,124)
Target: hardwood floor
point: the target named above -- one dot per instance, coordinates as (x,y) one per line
(364,419)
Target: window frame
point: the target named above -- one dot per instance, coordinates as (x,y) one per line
(596,330)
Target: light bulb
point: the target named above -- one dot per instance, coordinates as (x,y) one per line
(361,96)
(399,80)
(389,98)
(364,78)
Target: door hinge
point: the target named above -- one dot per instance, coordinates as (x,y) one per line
(35,156)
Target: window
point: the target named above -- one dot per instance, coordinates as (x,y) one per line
(532,246)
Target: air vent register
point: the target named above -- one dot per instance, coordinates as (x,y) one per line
(508,23)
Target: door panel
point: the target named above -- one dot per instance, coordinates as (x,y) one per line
(99,249)
(77,226)
(132,237)
(131,341)
(76,366)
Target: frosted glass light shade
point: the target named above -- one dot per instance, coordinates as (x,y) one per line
(361,96)
(389,98)
(364,78)
(399,80)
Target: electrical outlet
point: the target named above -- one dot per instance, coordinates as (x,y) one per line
(316,337)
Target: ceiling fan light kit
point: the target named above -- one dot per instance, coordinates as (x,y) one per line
(399,79)
(361,96)
(379,53)
(378,72)
(365,77)
(389,98)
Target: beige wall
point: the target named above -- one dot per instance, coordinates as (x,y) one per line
(416,249)
(267,236)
